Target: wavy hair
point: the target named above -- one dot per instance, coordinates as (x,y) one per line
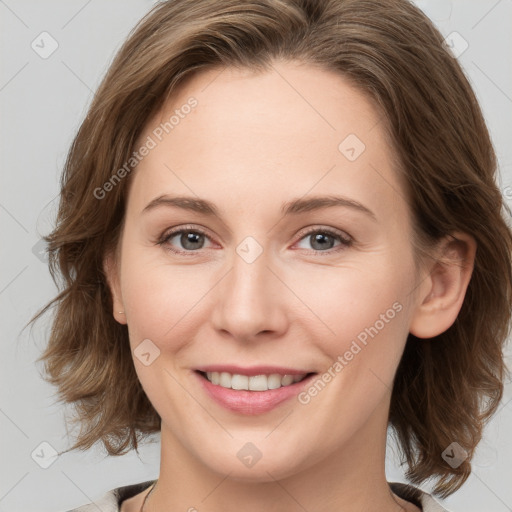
(444,391)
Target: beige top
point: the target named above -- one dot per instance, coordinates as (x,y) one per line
(111,501)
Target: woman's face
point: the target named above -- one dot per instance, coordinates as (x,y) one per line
(300,263)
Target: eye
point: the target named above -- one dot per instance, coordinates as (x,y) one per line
(191,240)
(323,239)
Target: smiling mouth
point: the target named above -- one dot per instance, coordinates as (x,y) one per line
(264,382)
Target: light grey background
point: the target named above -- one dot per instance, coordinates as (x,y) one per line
(43,101)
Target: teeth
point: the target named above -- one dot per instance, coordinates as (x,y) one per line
(287,380)
(258,383)
(253,383)
(239,381)
(274,381)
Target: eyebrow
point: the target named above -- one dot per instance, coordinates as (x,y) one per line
(293,207)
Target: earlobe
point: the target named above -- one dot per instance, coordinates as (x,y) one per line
(443,290)
(111,273)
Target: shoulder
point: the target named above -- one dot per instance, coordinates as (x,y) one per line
(111,500)
(420,498)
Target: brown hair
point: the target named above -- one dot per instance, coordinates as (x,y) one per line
(443,391)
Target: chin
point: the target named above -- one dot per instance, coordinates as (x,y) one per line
(246,463)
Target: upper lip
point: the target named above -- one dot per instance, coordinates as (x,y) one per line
(252,370)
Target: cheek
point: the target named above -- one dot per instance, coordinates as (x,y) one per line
(352,300)
(367,310)
(157,296)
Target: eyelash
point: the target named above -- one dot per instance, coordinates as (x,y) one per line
(346,240)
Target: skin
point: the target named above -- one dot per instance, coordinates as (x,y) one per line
(253,142)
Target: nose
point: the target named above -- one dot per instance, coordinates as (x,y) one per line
(251,301)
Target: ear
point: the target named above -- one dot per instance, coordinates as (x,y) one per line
(110,268)
(442,292)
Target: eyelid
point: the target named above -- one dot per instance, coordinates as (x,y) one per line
(185,227)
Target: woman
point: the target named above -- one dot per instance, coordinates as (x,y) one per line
(279,233)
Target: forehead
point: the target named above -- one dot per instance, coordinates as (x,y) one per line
(289,131)
(290,101)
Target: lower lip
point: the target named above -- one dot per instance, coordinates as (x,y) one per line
(251,402)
